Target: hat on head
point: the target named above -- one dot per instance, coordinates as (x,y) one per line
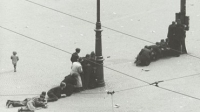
(43,93)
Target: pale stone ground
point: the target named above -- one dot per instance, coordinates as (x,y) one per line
(41,67)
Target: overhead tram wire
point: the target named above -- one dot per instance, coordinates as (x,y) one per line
(104,26)
(93,62)
(179,93)
(104,66)
(182,77)
(71,53)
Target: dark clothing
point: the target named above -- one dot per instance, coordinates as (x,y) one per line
(55,93)
(69,89)
(70,80)
(93,77)
(156,51)
(74,57)
(144,57)
(171,35)
(179,38)
(171,31)
(179,32)
(87,69)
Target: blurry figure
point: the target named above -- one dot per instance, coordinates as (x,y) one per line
(87,71)
(75,55)
(171,32)
(156,51)
(179,37)
(93,78)
(77,68)
(29,103)
(144,57)
(70,82)
(55,93)
(14,59)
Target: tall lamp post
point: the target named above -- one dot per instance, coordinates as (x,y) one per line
(98,50)
(182,14)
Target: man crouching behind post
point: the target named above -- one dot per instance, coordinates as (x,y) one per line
(77,69)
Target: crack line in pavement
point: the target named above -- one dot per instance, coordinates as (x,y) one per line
(104,26)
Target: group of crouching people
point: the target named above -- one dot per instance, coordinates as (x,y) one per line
(81,77)
(174,45)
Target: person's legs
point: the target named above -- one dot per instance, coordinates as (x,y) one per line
(15,103)
(52,97)
(184,51)
(87,77)
(15,65)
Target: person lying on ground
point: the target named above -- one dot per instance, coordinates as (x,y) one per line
(55,93)
(29,103)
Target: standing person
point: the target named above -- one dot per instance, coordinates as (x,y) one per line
(93,78)
(87,69)
(55,93)
(171,34)
(182,33)
(14,59)
(75,55)
(180,37)
(77,68)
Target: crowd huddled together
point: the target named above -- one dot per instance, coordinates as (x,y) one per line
(81,77)
(173,45)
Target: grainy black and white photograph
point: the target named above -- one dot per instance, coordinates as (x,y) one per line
(99,55)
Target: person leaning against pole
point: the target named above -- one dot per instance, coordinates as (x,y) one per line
(180,37)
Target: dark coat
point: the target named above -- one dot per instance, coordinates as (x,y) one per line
(69,89)
(70,80)
(179,32)
(171,31)
(56,91)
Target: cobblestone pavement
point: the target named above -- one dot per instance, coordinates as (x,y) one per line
(42,67)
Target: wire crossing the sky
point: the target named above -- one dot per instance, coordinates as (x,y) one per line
(104,26)
(71,53)
(97,63)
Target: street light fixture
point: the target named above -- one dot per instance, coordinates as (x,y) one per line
(98,50)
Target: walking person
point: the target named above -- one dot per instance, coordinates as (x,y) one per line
(75,55)
(14,59)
